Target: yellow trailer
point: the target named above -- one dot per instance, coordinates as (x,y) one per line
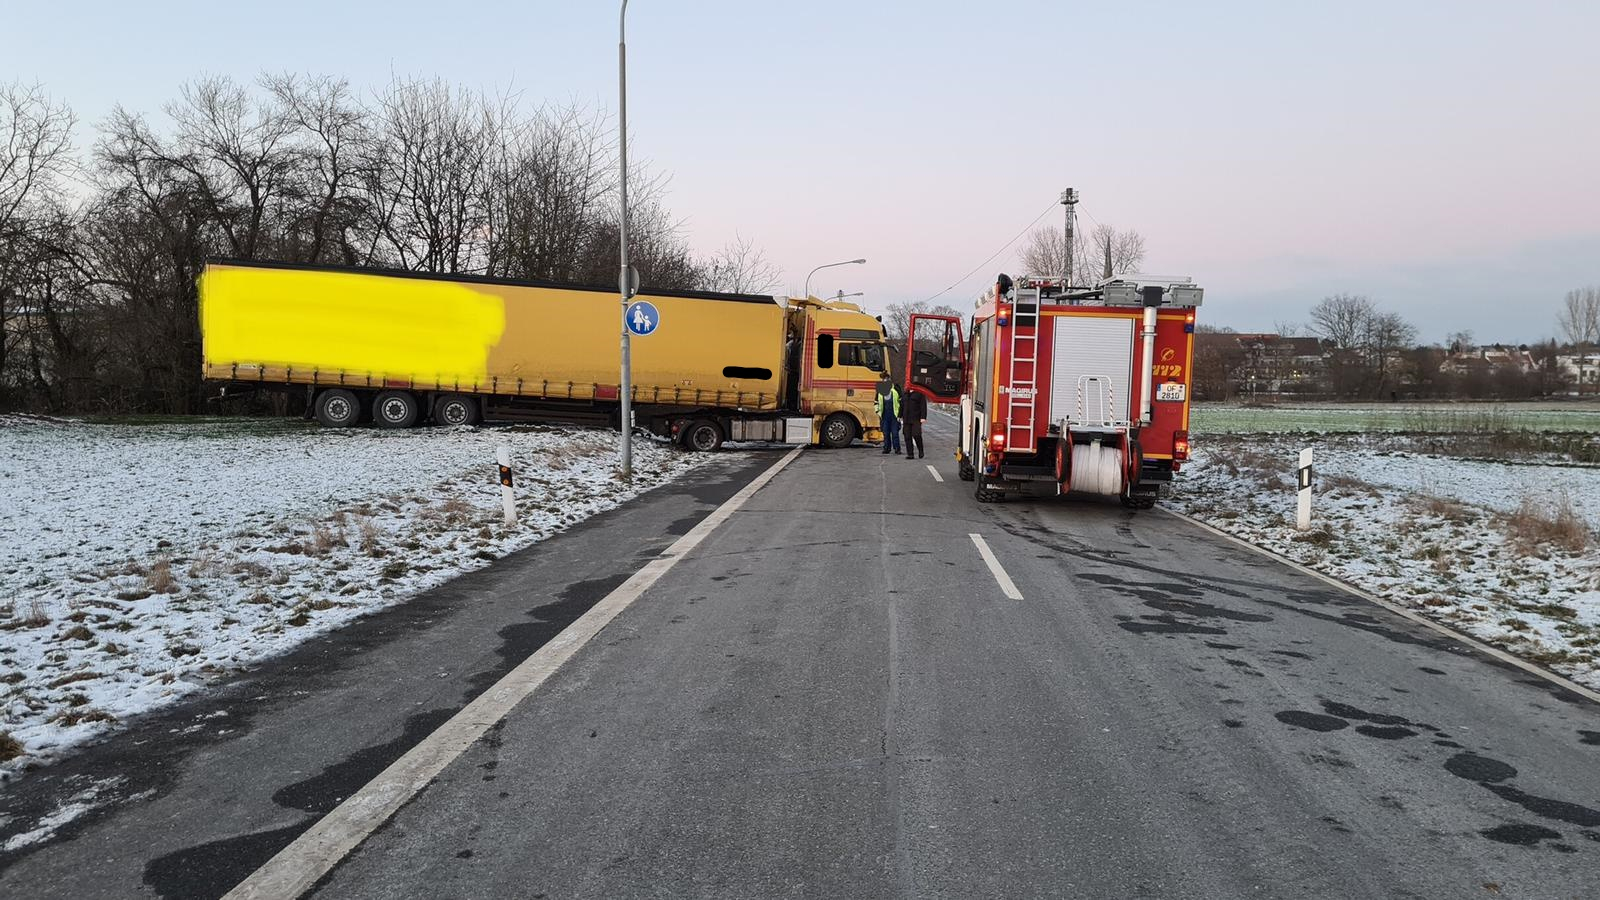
(403,348)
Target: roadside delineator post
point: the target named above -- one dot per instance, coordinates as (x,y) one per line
(1303,521)
(503,457)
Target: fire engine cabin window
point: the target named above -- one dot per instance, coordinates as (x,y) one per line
(867,355)
(747,372)
(824,351)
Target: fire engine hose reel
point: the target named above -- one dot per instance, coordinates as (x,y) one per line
(1097,469)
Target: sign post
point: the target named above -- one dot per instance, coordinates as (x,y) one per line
(502,455)
(1303,520)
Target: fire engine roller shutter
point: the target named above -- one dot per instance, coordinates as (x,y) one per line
(1101,347)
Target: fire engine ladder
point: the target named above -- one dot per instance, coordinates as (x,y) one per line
(1023,343)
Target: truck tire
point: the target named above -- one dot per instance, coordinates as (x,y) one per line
(1138,501)
(838,430)
(338,408)
(703,436)
(985,495)
(396,409)
(456,409)
(965,471)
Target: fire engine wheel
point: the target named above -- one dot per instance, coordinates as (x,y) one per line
(1138,501)
(965,471)
(396,409)
(338,408)
(703,436)
(838,430)
(456,409)
(985,495)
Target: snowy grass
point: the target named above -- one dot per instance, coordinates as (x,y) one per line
(140,562)
(1502,551)
(1413,418)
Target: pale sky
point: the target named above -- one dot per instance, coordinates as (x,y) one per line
(1441,156)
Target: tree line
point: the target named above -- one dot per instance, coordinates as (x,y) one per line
(100,251)
(1366,352)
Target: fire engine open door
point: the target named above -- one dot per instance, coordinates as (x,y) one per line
(936,357)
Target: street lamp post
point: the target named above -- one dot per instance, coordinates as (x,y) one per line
(848,262)
(624,282)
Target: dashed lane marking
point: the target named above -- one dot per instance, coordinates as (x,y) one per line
(935,473)
(1007,586)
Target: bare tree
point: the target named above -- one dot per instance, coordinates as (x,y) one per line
(427,177)
(1045,253)
(332,138)
(35,156)
(1119,252)
(1343,320)
(1579,318)
(1387,336)
(898,320)
(553,177)
(741,267)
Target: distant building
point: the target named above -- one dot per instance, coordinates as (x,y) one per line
(1274,364)
(1488,360)
(1581,371)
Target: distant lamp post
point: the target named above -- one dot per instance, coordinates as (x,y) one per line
(848,262)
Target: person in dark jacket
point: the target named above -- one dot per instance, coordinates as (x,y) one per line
(887,406)
(913,412)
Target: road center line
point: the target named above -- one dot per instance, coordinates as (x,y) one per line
(935,473)
(312,855)
(1007,586)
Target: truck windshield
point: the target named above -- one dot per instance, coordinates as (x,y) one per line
(868,355)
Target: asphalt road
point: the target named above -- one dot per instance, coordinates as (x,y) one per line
(831,696)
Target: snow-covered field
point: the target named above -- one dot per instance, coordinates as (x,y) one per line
(1503,551)
(138,562)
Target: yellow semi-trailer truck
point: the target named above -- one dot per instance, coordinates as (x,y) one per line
(401,348)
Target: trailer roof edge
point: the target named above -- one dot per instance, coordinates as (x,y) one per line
(485,279)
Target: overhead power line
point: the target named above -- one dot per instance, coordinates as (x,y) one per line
(957,283)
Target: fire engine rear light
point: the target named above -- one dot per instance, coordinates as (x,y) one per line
(999,439)
(1180,445)
(1188,324)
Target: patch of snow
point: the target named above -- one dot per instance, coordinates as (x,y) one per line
(140,563)
(1379,524)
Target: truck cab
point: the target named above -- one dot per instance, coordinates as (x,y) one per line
(838,353)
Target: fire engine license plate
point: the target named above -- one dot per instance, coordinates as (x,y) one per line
(1171,390)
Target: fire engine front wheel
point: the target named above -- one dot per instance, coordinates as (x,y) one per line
(396,409)
(838,430)
(338,408)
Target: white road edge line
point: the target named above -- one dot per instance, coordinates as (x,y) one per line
(935,473)
(303,863)
(1007,586)
(1398,610)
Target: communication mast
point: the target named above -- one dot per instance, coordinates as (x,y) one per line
(1069,199)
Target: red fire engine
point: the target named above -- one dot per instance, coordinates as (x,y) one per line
(1082,390)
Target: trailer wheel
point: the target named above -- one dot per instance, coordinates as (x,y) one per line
(337,408)
(838,430)
(703,436)
(396,409)
(456,409)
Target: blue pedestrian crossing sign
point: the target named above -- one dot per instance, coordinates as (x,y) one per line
(643,318)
